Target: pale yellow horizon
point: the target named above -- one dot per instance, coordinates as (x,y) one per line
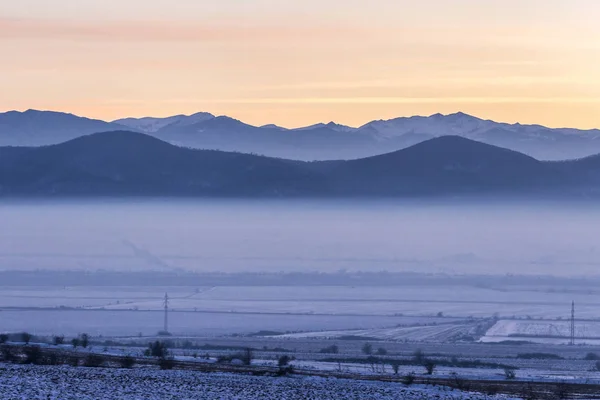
(263,61)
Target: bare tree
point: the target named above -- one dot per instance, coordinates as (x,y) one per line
(283,361)
(419,356)
(157,349)
(381,351)
(509,373)
(26,337)
(429,367)
(85,340)
(367,349)
(248,356)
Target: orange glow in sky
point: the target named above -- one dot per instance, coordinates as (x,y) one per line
(296,63)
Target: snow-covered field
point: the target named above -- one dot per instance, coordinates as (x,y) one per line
(459,301)
(436,333)
(386,313)
(131,323)
(66,383)
(553,332)
(115,311)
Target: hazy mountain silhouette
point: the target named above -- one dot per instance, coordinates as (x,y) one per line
(446,165)
(38,128)
(323,141)
(129,163)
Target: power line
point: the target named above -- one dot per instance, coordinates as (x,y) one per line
(572,342)
(166,304)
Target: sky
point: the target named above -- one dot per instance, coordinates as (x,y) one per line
(295,63)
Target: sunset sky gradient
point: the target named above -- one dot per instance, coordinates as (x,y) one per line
(300,62)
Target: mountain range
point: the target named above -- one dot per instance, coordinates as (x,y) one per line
(323,141)
(126,163)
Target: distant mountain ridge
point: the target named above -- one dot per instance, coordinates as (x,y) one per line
(125,163)
(152,125)
(38,128)
(322,141)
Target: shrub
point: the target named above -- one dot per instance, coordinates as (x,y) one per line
(395,366)
(285,371)
(562,391)
(8,354)
(127,362)
(52,359)
(93,361)
(381,351)
(509,373)
(58,340)
(85,340)
(367,348)
(460,383)
(283,361)
(598,365)
(419,356)
(439,362)
(33,354)
(26,337)
(528,392)
(247,356)
(224,359)
(492,390)
(284,367)
(333,349)
(75,342)
(72,361)
(539,356)
(429,367)
(408,379)
(3,338)
(592,356)
(157,349)
(166,363)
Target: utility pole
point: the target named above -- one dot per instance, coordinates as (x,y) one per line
(572,342)
(166,304)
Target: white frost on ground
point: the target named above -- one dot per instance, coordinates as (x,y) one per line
(552,332)
(68,383)
(433,333)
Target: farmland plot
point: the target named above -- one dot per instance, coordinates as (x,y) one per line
(435,333)
(544,331)
(132,323)
(37,382)
(459,301)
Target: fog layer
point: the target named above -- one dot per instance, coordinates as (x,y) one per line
(231,236)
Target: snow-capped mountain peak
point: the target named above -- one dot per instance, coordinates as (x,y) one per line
(330,125)
(273,126)
(460,124)
(323,141)
(153,125)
